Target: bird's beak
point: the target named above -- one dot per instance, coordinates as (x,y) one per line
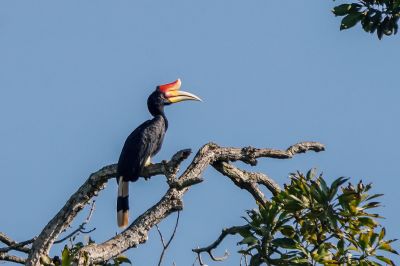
(179,96)
(174,95)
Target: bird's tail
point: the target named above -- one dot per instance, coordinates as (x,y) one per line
(123,202)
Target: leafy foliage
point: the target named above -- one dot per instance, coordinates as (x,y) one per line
(380,16)
(311,223)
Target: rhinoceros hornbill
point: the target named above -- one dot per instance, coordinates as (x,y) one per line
(144,142)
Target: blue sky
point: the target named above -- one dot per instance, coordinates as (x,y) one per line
(75,76)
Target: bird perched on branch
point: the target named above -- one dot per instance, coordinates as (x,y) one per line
(144,142)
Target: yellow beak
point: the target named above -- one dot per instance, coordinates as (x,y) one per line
(179,96)
(174,95)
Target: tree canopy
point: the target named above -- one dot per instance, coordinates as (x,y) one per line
(380,16)
(312,223)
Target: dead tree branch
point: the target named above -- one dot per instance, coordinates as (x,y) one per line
(247,180)
(11,258)
(95,183)
(137,232)
(13,245)
(225,232)
(81,227)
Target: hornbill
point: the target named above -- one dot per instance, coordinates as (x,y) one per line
(144,142)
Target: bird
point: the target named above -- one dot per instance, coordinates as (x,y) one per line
(144,142)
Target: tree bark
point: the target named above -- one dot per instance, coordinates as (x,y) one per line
(210,154)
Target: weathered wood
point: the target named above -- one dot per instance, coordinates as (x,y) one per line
(137,232)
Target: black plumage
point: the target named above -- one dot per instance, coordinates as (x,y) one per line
(145,142)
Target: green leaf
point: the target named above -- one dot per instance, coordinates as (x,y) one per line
(387,247)
(376,21)
(396,4)
(323,188)
(302,262)
(122,259)
(370,263)
(371,205)
(366,221)
(384,259)
(335,186)
(287,230)
(285,243)
(310,174)
(65,257)
(296,199)
(382,234)
(379,32)
(350,20)
(373,238)
(245,232)
(244,252)
(250,240)
(374,196)
(341,10)
(387,26)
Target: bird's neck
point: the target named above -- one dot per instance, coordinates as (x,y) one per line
(158,110)
(162,116)
(165,120)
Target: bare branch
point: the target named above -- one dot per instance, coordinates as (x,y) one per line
(200,260)
(5,239)
(137,232)
(211,153)
(13,245)
(11,258)
(302,147)
(81,227)
(95,183)
(227,231)
(166,245)
(247,180)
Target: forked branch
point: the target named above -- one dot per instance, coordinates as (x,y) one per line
(137,232)
(225,232)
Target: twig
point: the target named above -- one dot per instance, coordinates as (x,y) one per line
(199,259)
(161,236)
(165,246)
(243,258)
(81,227)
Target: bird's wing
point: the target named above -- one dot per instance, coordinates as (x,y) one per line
(137,148)
(144,142)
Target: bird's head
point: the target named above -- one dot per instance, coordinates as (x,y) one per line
(168,94)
